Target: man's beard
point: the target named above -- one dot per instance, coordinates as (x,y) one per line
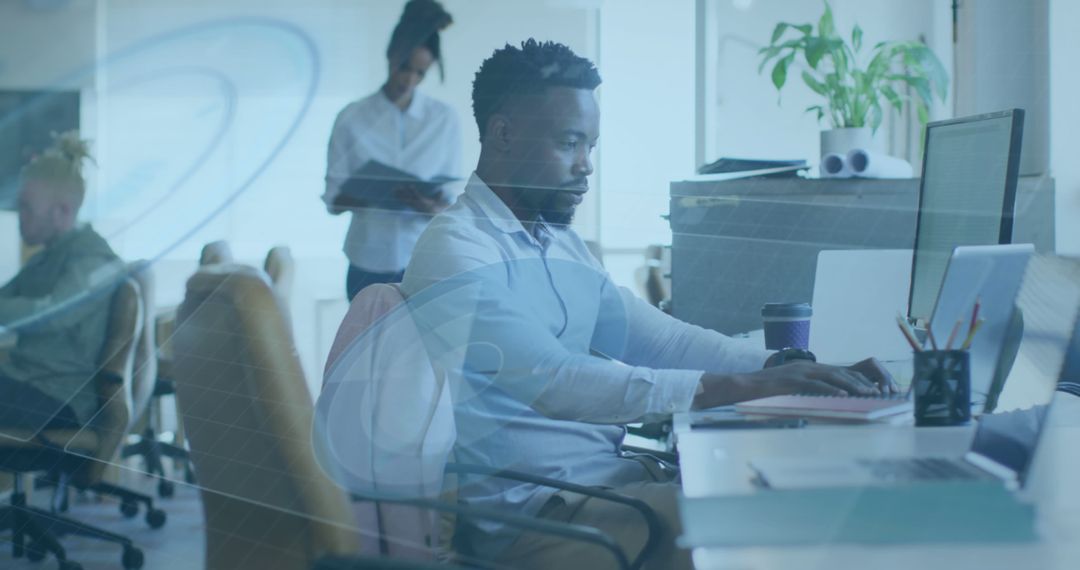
(555,213)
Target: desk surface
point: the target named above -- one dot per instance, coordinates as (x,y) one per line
(715,463)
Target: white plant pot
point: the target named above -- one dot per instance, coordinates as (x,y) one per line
(843,141)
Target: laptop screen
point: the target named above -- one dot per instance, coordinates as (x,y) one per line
(1049,301)
(989,275)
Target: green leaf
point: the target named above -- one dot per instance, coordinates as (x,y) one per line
(879,65)
(924,113)
(933,69)
(815,50)
(921,85)
(766,58)
(892,97)
(806,29)
(818,108)
(856,37)
(826,26)
(876,116)
(861,86)
(779,71)
(814,85)
(779,31)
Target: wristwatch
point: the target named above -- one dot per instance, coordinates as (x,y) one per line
(785,355)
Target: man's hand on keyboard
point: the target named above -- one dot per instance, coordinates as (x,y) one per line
(797,377)
(876,373)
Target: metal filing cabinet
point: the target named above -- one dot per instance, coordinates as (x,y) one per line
(741,243)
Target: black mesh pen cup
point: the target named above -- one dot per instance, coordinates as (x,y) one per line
(787,325)
(942,386)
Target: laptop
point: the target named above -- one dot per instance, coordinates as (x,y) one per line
(1004,444)
(991,276)
(857,294)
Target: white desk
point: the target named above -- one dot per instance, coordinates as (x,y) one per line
(715,463)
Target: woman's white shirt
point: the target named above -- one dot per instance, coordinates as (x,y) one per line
(424,139)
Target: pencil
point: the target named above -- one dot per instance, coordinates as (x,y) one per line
(975,314)
(907,334)
(971,334)
(930,335)
(952,335)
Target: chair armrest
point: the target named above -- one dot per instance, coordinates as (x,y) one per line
(563,530)
(668,456)
(110,377)
(651,520)
(654,430)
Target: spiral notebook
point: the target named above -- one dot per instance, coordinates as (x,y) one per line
(839,407)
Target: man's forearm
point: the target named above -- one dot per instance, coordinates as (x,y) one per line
(723,389)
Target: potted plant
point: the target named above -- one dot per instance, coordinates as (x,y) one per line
(857,86)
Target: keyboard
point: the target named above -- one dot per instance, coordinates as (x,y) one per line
(920,469)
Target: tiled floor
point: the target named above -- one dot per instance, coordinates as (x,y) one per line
(176,546)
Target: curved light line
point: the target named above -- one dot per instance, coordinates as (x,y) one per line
(230,97)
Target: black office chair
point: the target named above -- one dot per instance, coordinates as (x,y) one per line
(76,457)
(153,382)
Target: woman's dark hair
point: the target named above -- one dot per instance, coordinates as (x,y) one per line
(420,24)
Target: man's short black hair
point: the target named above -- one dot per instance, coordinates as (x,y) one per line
(530,69)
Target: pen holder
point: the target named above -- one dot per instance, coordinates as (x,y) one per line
(942,387)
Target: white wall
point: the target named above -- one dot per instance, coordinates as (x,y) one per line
(647,116)
(38,46)
(1064,120)
(236,90)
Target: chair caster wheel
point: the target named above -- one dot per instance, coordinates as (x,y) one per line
(129,508)
(155,518)
(165,489)
(132,559)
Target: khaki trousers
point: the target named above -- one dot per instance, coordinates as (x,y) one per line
(623,524)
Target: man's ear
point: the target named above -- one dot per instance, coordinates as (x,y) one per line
(498,132)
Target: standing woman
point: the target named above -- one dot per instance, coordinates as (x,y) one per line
(401,127)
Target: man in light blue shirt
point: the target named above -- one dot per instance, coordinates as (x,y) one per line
(556,357)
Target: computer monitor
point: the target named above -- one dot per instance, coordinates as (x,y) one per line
(966,196)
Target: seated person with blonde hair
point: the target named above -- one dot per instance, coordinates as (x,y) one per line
(58,303)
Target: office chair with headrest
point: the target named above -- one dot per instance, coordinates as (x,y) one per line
(242,391)
(216,252)
(77,457)
(281,268)
(385,426)
(246,407)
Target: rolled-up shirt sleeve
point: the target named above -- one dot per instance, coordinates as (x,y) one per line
(657,339)
(492,329)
